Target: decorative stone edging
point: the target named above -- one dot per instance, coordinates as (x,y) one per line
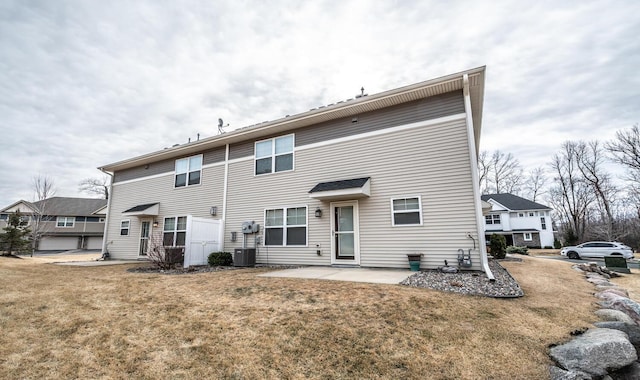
(610,350)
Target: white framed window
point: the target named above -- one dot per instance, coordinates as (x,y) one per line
(274,155)
(65,221)
(543,223)
(521,215)
(406,211)
(531,213)
(285,226)
(492,219)
(188,171)
(527,236)
(125,225)
(174,231)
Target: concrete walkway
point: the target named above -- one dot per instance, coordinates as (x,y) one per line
(370,275)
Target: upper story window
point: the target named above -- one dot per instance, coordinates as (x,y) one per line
(188,171)
(124,227)
(492,219)
(531,213)
(406,211)
(521,215)
(285,226)
(175,231)
(543,223)
(274,155)
(65,221)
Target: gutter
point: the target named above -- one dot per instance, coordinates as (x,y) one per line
(474,177)
(107,219)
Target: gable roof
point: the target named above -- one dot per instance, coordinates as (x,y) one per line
(472,79)
(514,202)
(62,206)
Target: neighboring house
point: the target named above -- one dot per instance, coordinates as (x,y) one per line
(362,182)
(521,221)
(65,223)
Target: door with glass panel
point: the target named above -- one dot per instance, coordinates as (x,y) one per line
(344,228)
(145,233)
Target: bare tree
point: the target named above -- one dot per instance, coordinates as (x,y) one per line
(625,150)
(571,195)
(499,173)
(535,182)
(484,167)
(99,186)
(590,158)
(44,189)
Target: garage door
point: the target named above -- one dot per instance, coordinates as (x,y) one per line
(57,243)
(94,242)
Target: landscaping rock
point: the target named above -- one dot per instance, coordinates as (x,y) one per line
(618,291)
(632,330)
(608,296)
(595,352)
(614,315)
(627,306)
(560,374)
(630,372)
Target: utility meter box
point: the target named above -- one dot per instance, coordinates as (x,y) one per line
(244,257)
(250,227)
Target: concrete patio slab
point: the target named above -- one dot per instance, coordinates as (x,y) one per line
(370,275)
(97,263)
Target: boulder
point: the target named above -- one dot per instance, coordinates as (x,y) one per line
(630,372)
(614,315)
(632,330)
(595,352)
(560,374)
(617,291)
(627,306)
(608,295)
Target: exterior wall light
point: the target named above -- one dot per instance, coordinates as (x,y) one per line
(213,211)
(318,213)
(155,223)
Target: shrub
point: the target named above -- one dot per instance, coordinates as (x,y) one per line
(557,244)
(518,250)
(498,245)
(220,259)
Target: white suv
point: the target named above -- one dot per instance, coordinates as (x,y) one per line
(597,249)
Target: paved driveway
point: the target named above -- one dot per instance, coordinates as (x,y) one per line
(631,263)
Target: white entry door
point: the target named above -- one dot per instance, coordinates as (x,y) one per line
(345,241)
(145,234)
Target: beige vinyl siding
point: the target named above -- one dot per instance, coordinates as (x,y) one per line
(210,156)
(78,227)
(192,200)
(434,107)
(430,161)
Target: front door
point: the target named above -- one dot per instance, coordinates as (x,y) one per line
(345,242)
(145,232)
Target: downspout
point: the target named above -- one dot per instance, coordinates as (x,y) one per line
(224,196)
(105,234)
(473,157)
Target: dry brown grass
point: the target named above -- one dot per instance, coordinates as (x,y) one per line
(103,322)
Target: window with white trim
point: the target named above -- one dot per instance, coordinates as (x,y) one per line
(174,231)
(543,223)
(492,219)
(124,227)
(527,236)
(65,221)
(188,171)
(274,155)
(521,215)
(531,213)
(285,226)
(406,211)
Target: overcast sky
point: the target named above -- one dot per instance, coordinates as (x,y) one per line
(87,83)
